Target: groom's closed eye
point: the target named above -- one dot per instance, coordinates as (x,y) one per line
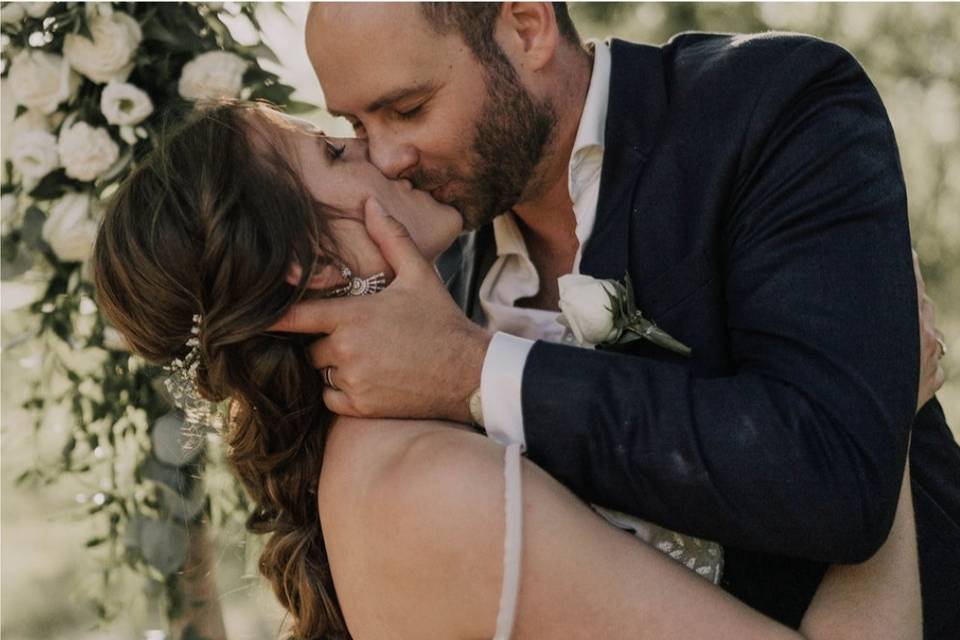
(409,114)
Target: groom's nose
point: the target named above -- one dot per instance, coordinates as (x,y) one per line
(394,158)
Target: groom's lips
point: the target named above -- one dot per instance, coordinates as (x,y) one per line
(439,193)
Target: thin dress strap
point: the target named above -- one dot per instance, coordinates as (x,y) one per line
(512,543)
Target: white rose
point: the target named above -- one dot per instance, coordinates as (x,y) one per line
(69,230)
(215,74)
(29,120)
(12,12)
(114,340)
(34,153)
(125,104)
(585,303)
(110,56)
(41,80)
(37,9)
(8,205)
(87,152)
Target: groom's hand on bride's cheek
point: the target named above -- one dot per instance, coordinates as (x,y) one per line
(406,352)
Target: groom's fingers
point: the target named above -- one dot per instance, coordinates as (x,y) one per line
(313,316)
(394,241)
(338,402)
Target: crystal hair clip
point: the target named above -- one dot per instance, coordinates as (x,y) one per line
(200,414)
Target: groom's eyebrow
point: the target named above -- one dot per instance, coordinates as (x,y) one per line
(395,96)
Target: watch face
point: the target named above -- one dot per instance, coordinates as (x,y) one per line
(475,405)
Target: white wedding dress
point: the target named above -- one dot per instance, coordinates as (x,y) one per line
(700,556)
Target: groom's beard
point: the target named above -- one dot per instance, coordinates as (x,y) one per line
(508,142)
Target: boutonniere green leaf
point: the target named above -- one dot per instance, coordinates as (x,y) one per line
(604,312)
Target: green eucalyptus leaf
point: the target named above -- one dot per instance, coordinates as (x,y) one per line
(278,94)
(255,75)
(51,186)
(261,50)
(16,260)
(296,107)
(164,544)
(173,444)
(131,532)
(83,29)
(32,228)
(630,306)
(183,506)
(166,474)
(250,11)
(156,30)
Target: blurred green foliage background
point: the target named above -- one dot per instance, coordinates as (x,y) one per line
(912,53)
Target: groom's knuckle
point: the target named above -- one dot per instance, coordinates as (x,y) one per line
(363,407)
(344,350)
(347,379)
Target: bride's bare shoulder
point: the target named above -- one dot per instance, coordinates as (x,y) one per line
(370,465)
(397,499)
(360,451)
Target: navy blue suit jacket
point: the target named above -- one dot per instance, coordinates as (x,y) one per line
(751,187)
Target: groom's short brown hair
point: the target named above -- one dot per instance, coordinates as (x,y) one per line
(474,21)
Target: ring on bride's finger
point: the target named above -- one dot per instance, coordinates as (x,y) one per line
(326,373)
(943,347)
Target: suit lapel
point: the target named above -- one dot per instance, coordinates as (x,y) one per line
(636,107)
(464,266)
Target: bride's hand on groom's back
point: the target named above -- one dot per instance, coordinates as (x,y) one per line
(932,348)
(406,352)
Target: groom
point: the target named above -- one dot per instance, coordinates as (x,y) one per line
(751,188)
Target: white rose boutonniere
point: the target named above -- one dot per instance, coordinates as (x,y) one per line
(584,303)
(41,80)
(214,74)
(603,312)
(69,230)
(87,152)
(109,56)
(125,104)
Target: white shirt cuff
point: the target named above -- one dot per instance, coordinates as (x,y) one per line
(500,392)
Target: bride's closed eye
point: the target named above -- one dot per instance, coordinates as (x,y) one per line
(333,151)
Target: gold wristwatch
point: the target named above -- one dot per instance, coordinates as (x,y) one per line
(475,405)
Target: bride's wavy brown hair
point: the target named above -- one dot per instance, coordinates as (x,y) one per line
(209,223)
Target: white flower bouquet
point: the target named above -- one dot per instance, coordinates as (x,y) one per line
(86,90)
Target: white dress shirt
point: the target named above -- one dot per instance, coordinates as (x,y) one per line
(513,276)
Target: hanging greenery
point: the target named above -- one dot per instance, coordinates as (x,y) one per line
(92,84)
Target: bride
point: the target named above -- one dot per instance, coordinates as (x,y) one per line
(378,530)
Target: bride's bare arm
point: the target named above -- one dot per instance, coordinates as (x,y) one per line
(879,598)
(419,555)
(423,558)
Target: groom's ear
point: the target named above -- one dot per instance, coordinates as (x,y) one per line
(530,31)
(323,276)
